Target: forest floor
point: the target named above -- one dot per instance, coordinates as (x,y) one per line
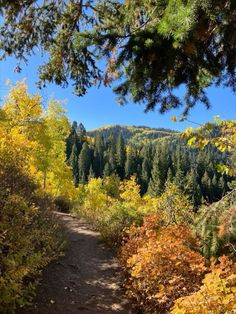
(85,280)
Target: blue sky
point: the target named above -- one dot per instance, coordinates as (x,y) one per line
(98,107)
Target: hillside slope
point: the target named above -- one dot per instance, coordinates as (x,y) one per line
(133,134)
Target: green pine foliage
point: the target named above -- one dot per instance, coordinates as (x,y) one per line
(151,47)
(84,163)
(216,227)
(156,162)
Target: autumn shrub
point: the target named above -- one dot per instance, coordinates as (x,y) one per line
(217,294)
(29,237)
(92,200)
(161,265)
(113,221)
(111,206)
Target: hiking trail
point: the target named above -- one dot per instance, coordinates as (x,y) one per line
(85,280)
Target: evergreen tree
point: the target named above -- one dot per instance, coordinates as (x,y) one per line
(84,163)
(146,168)
(99,152)
(107,170)
(91,173)
(169,175)
(81,130)
(120,154)
(71,140)
(131,162)
(222,186)
(206,187)
(112,153)
(73,162)
(192,188)
(215,188)
(156,185)
(160,45)
(179,179)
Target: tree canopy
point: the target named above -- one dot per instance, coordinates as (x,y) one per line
(151,47)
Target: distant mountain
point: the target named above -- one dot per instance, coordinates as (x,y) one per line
(133,134)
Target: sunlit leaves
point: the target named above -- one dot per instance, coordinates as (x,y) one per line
(220,134)
(160,265)
(39,137)
(217,294)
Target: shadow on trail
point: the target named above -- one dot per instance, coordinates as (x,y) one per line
(85,280)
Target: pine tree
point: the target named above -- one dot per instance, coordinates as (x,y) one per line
(192,188)
(146,168)
(206,187)
(222,186)
(169,175)
(84,163)
(152,40)
(98,157)
(73,162)
(120,154)
(107,170)
(71,140)
(91,173)
(81,130)
(131,162)
(156,186)
(112,153)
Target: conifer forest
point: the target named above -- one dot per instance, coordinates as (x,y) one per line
(120,218)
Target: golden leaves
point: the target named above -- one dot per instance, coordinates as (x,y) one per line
(217,294)
(160,264)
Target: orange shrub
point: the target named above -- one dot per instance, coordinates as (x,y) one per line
(217,294)
(161,263)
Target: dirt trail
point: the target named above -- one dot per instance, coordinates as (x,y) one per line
(86,280)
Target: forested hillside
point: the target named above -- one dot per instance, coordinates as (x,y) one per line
(161,156)
(135,135)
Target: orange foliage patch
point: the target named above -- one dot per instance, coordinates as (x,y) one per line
(161,263)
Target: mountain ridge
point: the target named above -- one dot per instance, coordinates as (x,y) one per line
(133,134)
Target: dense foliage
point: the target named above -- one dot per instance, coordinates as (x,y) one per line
(217,294)
(29,237)
(155,163)
(111,205)
(153,47)
(162,264)
(165,247)
(32,173)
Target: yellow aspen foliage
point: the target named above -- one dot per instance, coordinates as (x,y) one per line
(130,191)
(29,237)
(39,137)
(96,197)
(21,108)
